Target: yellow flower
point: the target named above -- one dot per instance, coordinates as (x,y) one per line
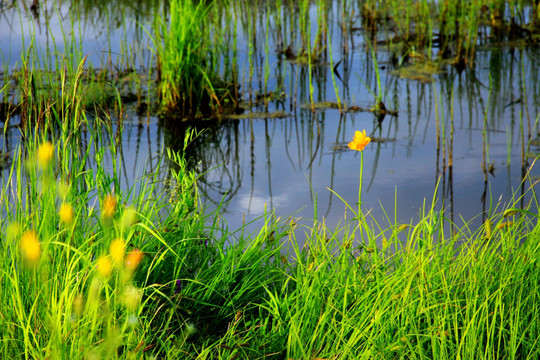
(30,247)
(360,141)
(117,249)
(109,206)
(66,213)
(133,259)
(45,154)
(104,266)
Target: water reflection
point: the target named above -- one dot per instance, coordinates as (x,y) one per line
(464,138)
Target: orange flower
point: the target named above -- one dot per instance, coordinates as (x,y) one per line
(133,259)
(360,141)
(30,247)
(109,206)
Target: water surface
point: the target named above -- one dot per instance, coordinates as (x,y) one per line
(445,132)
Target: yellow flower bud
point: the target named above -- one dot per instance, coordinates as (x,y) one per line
(109,206)
(62,189)
(30,246)
(45,154)
(117,250)
(78,305)
(129,217)
(104,266)
(94,293)
(132,297)
(13,231)
(133,259)
(66,213)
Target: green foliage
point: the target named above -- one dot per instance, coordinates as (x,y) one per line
(358,291)
(188,44)
(456,29)
(91,270)
(414,296)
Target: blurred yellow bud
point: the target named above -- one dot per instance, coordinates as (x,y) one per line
(132,297)
(78,305)
(66,213)
(109,206)
(129,217)
(13,231)
(117,250)
(62,189)
(94,292)
(505,225)
(104,266)
(45,154)
(30,246)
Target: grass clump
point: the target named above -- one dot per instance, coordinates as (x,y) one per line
(416,295)
(91,270)
(188,44)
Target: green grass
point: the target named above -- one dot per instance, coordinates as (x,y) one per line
(361,290)
(188,41)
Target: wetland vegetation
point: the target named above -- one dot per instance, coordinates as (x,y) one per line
(113,248)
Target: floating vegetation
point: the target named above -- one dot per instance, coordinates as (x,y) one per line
(422,72)
(259,115)
(325,105)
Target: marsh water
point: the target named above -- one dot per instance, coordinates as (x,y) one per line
(467,137)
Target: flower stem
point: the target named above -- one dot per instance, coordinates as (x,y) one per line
(360,184)
(359,214)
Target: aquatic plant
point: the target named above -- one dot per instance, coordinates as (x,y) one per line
(187,44)
(455,30)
